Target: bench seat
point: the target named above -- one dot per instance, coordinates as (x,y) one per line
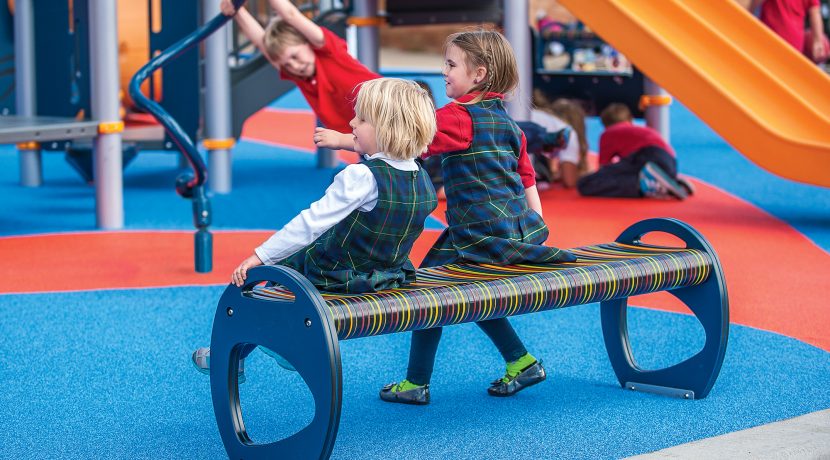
(279,309)
(476,292)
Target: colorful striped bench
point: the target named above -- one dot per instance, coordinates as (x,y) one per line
(305,327)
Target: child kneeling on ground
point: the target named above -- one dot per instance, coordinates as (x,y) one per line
(349,240)
(646,168)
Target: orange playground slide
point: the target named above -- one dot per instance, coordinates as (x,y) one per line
(759,94)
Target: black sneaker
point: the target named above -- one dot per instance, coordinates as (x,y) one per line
(418,396)
(508,386)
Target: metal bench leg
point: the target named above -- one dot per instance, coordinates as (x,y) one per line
(300,332)
(694,377)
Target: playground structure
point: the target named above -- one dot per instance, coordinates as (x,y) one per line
(60,107)
(63,108)
(156,30)
(663,41)
(61,98)
(188,185)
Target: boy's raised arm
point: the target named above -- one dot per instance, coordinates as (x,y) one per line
(819,53)
(251,28)
(291,15)
(247,24)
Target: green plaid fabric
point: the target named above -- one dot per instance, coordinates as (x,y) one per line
(369,251)
(487,213)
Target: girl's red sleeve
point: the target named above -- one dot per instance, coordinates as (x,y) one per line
(525,169)
(455,130)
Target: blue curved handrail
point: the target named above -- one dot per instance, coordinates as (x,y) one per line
(190,184)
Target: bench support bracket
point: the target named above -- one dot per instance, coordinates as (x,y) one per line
(302,334)
(708,302)
(658,390)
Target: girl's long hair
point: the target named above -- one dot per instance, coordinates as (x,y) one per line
(571,113)
(491,50)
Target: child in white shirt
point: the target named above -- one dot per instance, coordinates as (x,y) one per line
(357,237)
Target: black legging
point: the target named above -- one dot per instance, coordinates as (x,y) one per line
(622,179)
(425,345)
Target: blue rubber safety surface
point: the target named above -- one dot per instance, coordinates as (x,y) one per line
(107,374)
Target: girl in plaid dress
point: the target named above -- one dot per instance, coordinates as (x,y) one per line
(357,238)
(493,210)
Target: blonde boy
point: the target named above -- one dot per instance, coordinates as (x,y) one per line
(312,57)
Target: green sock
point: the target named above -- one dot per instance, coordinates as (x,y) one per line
(405,385)
(516,367)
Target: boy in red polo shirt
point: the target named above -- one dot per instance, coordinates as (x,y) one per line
(787,17)
(313,57)
(634,161)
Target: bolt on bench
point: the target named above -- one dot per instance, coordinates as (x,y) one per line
(305,327)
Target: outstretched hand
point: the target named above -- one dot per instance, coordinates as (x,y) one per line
(227,7)
(819,50)
(241,272)
(331,139)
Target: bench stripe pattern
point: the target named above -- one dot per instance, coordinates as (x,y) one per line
(461,293)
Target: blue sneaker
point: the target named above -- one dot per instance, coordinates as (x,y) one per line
(283,363)
(656,183)
(555,141)
(687,185)
(201,359)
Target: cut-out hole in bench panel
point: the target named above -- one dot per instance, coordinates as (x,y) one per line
(660,339)
(276,403)
(663,239)
(271,291)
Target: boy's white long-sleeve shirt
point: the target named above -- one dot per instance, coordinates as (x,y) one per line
(352,188)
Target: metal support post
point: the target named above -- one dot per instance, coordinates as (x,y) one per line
(368,46)
(326,158)
(31,169)
(517,31)
(657,112)
(368,36)
(351,40)
(103,55)
(218,137)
